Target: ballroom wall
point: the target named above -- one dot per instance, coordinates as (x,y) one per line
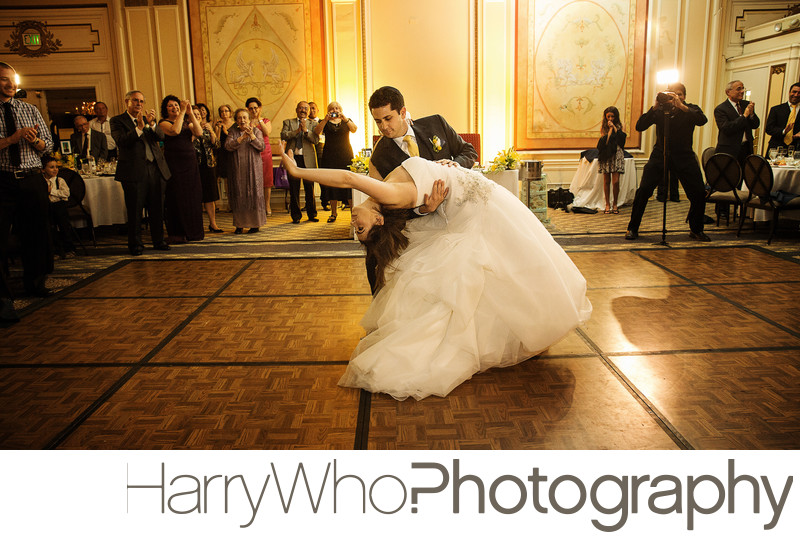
(453,57)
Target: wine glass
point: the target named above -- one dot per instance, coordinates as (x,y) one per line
(773,154)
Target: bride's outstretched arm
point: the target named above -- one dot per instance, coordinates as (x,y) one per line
(386,194)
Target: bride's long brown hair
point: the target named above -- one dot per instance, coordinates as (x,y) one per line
(385,243)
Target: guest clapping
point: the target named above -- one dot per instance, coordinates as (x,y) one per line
(265,126)
(205,147)
(182,200)
(337,153)
(221,126)
(246,177)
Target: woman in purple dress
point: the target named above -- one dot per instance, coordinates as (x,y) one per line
(183,196)
(246,174)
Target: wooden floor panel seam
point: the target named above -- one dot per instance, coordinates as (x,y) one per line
(648,406)
(59,438)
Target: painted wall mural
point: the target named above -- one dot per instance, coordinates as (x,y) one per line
(257,49)
(574,59)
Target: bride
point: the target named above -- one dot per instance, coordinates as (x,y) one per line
(478,283)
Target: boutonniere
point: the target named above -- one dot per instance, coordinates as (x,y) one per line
(437,144)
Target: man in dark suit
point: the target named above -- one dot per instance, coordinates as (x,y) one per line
(87,142)
(430,137)
(141,169)
(782,125)
(681,159)
(736,119)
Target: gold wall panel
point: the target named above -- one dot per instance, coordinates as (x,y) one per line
(272,50)
(574,59)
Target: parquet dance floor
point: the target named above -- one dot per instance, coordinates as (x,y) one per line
(695,347)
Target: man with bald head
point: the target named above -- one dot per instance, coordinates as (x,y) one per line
(87,142)
(102,124)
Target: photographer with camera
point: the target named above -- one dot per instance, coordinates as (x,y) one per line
(670,110)
(337,153)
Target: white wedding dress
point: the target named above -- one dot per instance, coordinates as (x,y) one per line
(481,284)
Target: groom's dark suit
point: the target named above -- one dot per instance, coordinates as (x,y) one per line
(141,178)
(735,130)
(387,155)
(776,123)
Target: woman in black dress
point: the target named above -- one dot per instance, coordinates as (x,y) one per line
(205,146)
(337,152)
(182,200)
(221,126)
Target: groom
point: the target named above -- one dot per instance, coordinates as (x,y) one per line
(430,137)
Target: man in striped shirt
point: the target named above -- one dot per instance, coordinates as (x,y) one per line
(24,138)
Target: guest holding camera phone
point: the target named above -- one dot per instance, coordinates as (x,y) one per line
(337,153)
(611,158)
(671,110)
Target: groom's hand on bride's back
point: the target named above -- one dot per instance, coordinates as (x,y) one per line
(435,199)
(448,162)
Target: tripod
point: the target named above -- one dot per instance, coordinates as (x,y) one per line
(667,115)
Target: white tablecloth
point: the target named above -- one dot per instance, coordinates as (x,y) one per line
(785,179)
(105,200)
(587,185)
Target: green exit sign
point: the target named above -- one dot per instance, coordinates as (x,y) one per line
(32,40)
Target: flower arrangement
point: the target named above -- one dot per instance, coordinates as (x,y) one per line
(437,144)
(360,164)
(505,160)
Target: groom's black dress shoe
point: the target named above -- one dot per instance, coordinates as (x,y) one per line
(631,235)
(161,247)
(135,251)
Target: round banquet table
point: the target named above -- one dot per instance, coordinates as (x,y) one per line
(105,200)
(587,185)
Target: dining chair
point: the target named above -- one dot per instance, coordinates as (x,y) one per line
(707,153)
(77,192)
(723,175)
(760,181)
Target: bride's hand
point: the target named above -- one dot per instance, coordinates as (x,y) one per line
(287,160)
(434,200)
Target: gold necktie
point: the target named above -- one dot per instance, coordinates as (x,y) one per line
(413,149)
(788,137)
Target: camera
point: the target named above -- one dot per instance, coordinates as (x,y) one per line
(665,98)
(334,114)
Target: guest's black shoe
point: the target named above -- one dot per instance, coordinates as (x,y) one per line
(699,236)
(295,221)
(162,247)
(332,218)
(135,251)
(313,220)
(214,230)
(324,207)
(707,220)
(253,230)
(39,292)
(631,235)
(8,315)
(238,231)
(660,199)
